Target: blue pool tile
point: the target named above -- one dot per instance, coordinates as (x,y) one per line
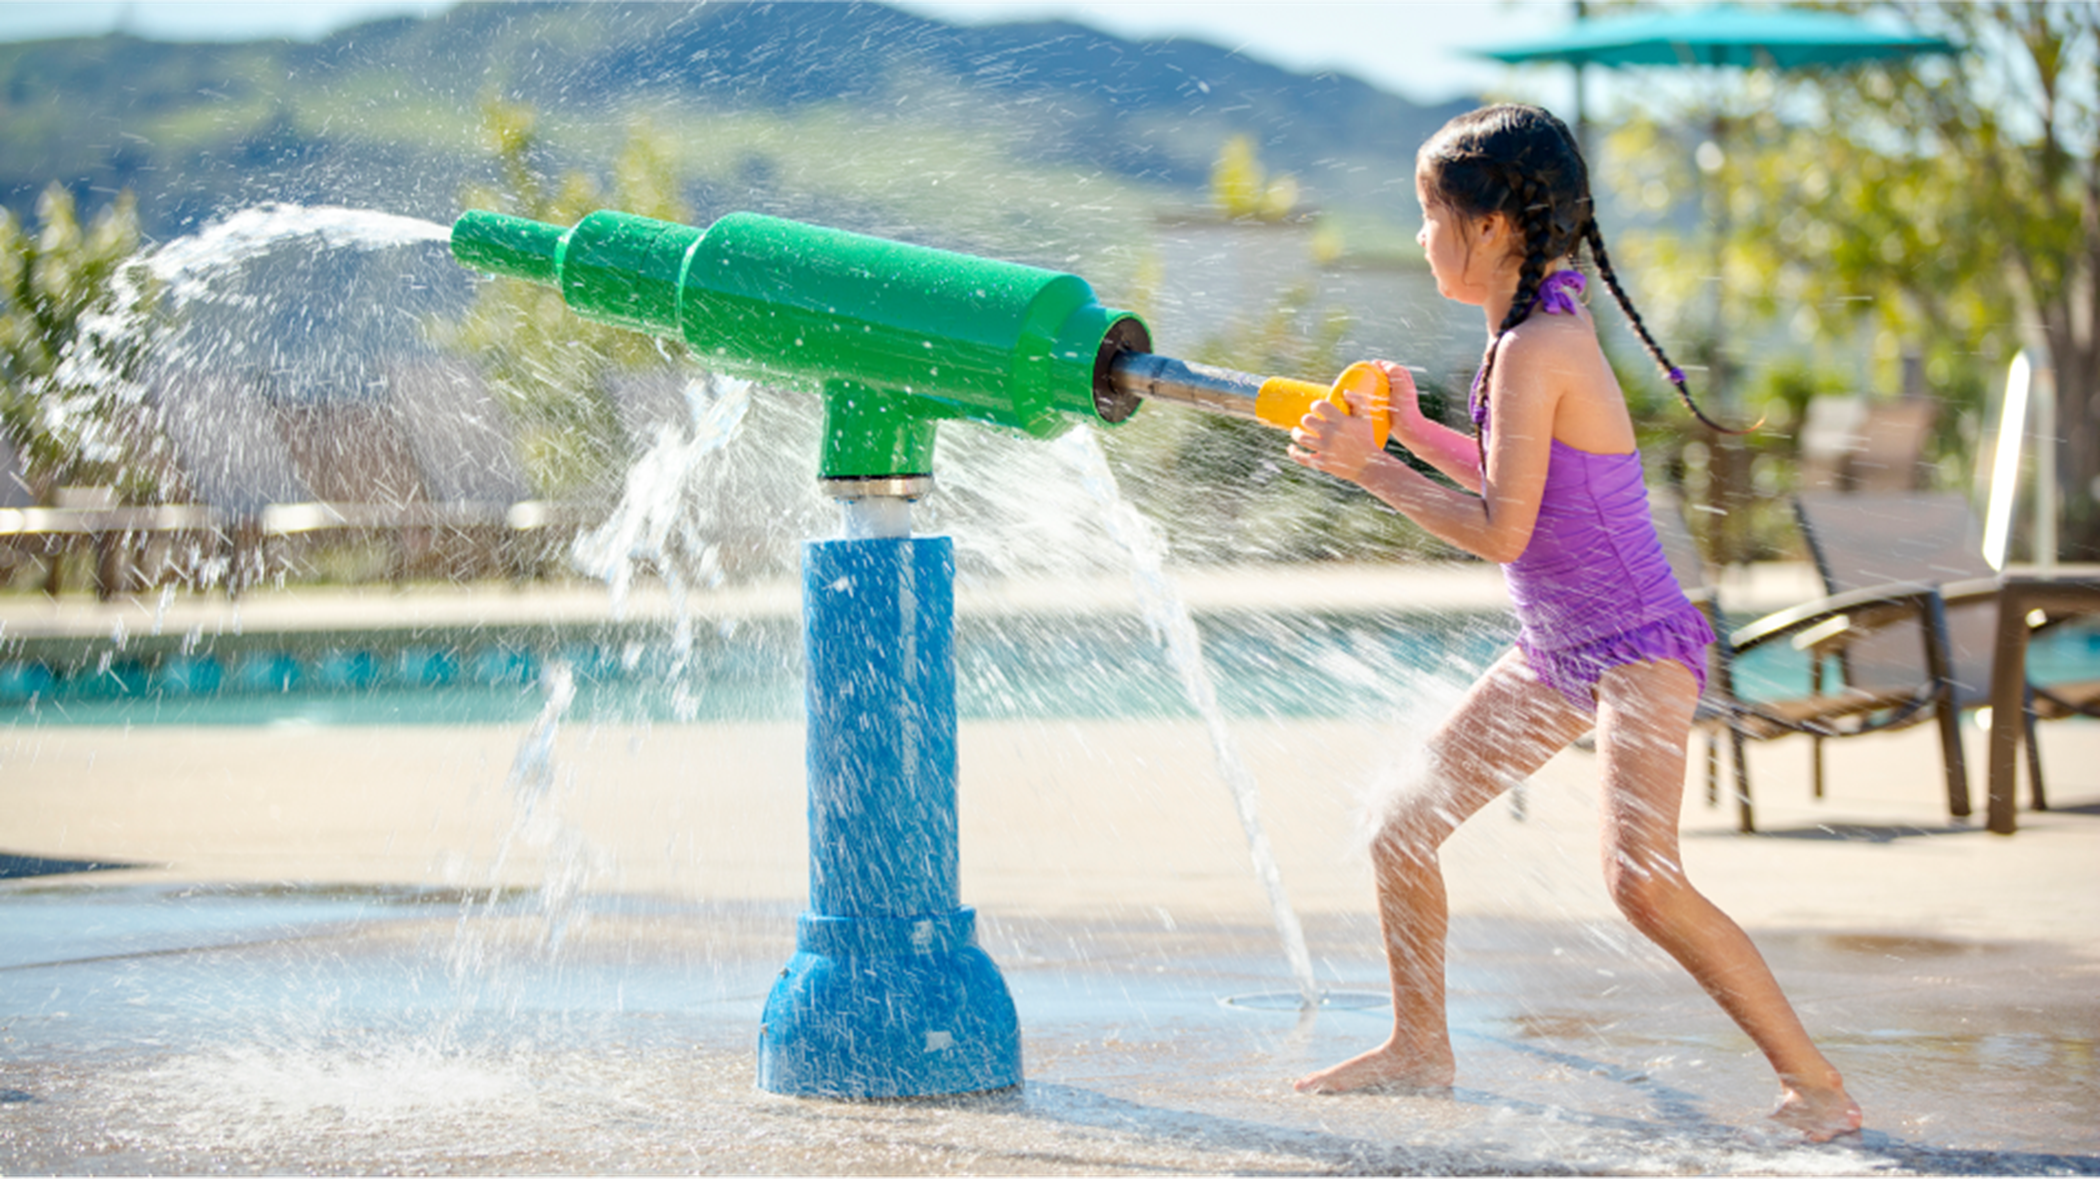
(269,671)
(188,675)
(22,680)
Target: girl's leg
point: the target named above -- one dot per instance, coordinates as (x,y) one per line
(1644,714)
(1504,729)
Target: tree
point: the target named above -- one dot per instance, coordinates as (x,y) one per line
(1243,190)
(2031,197)
(52,278)
(1950,204)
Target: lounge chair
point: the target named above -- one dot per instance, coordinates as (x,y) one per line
(1908,615)
(1857,443)
(1867,543)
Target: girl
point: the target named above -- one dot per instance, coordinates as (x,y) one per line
(1608,639)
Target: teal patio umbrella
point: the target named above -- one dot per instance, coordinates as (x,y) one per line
(1715,35)
(1720,35)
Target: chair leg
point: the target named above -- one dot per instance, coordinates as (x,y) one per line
(1940,667)
(1951,756)
(1745,821)
(1815,740)
(2034,753)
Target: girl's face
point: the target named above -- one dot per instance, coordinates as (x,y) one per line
(1466,254)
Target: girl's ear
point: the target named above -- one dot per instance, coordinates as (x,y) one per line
(1496,235)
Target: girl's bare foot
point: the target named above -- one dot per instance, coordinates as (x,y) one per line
(1819,1114)
(1383,1067)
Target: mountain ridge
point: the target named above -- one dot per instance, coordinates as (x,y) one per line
(387,106)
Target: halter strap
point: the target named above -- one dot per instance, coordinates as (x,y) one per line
(1557,293)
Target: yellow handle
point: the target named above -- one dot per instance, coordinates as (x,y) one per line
(1283,401)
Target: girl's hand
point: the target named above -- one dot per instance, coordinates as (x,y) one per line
(1341,444)
(1405,402)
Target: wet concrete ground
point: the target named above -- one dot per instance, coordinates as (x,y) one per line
(265,1030)
(361,1019)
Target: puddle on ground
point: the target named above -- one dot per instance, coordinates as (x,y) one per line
(1901,948)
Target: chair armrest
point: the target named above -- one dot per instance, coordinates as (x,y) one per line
(1971,590)
(1824,627)
(1863,610)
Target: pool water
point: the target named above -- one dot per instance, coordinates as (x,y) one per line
(1006,668)
(1065,667)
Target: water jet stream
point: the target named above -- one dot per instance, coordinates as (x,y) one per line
(1175,626)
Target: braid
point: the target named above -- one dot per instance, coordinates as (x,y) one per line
(1595,237)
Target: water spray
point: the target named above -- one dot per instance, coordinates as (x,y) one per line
(888,993)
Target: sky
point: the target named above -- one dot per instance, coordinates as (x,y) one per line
(1411,47)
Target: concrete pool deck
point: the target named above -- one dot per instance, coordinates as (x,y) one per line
(1949,971)
(1061,818)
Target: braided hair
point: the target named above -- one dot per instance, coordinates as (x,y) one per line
(1522,162)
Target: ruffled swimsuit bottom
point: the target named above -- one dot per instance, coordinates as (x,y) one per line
(1574,670)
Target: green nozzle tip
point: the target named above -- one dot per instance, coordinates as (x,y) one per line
(516,246)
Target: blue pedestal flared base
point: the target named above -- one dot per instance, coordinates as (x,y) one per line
(876,1007)
(888,994)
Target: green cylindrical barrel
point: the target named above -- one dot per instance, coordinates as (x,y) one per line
(894,336)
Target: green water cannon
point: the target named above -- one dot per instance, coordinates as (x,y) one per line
(895,338)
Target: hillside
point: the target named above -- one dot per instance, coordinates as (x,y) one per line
(759,96)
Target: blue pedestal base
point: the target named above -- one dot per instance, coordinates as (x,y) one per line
(888,994)
(876,1007)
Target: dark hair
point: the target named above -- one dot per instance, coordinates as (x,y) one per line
(1523,163)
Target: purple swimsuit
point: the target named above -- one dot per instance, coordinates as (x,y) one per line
(1592,588)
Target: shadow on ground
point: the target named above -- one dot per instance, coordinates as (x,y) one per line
(19,867)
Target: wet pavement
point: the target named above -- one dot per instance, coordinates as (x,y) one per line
(272,948)
(254,1029)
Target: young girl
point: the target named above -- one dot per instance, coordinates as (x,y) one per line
(1608,639)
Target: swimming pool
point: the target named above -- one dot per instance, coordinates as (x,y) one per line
(1008,667)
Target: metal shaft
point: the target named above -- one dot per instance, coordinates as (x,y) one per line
(1217,390)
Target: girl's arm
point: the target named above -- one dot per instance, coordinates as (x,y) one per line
(1494,525)
(1454,453)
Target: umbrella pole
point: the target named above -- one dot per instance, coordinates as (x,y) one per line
(1728,460)
(1582,110)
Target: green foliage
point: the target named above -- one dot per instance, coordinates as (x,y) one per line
(548,364)
(1243,190)
(1987,236)
(1944,207)
(52,277)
